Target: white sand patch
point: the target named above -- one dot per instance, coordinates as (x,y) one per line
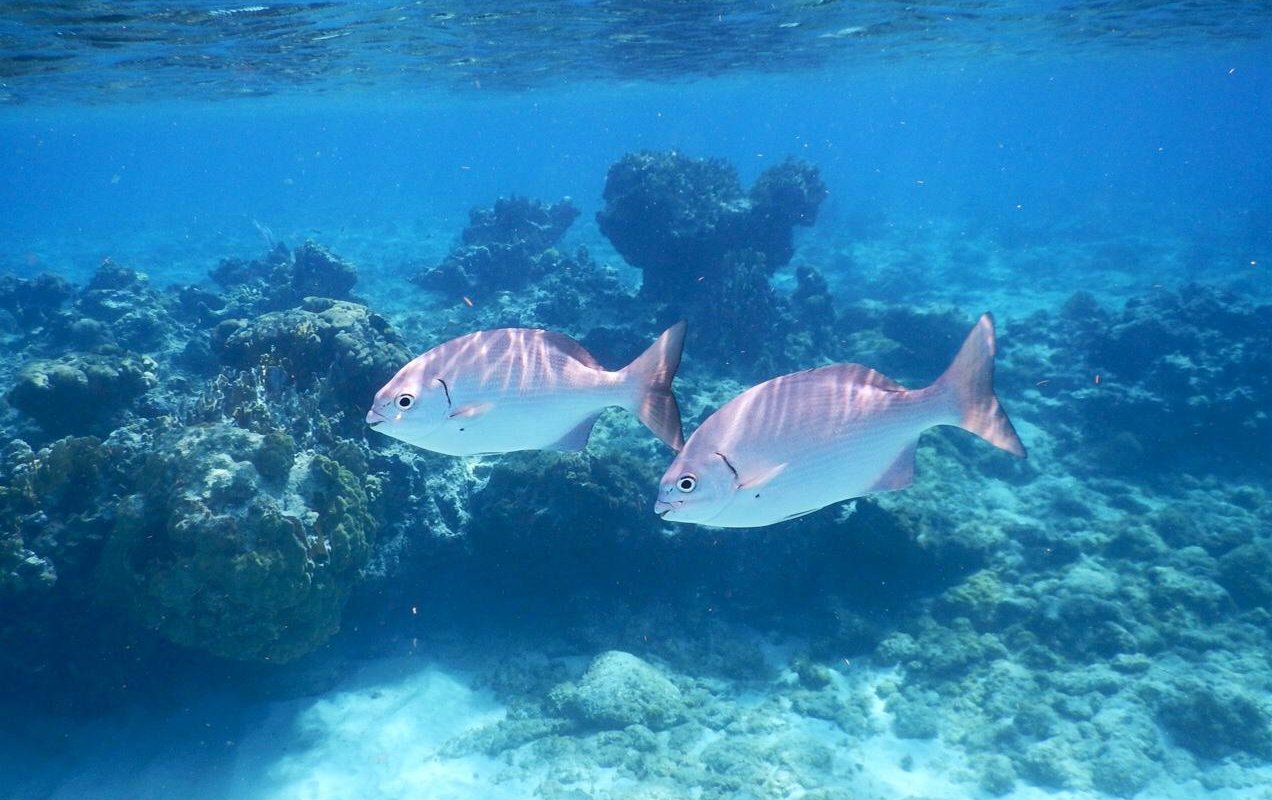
(378,736)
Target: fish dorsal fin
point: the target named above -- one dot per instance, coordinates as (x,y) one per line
(571,348)
(576,439)
(899,474)
(855,374)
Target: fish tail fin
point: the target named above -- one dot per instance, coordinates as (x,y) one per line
(969,385)
(652,374)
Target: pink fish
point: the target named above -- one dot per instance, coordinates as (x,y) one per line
(798,443)
(521,389)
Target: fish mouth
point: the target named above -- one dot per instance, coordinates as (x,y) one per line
(663,507)
(374,418)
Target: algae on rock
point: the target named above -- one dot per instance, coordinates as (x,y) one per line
(619,690)
(216,556)
(81,392)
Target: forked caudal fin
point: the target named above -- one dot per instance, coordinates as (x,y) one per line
(652,374)
(969,382)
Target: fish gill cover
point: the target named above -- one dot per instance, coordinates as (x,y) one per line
(214,579)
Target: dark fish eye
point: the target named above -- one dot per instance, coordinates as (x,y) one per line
(687,483)
(405,401)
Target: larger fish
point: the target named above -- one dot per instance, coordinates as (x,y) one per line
(798,443)
(521,389)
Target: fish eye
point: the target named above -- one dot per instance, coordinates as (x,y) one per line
(405,401)
(687,483)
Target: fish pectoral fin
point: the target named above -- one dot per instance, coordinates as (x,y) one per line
(576,439)
(760,479)
(469,411)
(899,474)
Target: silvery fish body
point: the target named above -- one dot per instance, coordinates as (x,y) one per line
(512,389)
(803,441)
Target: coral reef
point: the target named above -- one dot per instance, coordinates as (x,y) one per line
(707,251)
(505,247)
(57,508)
(677,218)
(119,308)
(228,549)
(282,278)
(81,392)
(30,302)
(353,349)
(1184,379)
(1094,620)
(51,520)
(217,505)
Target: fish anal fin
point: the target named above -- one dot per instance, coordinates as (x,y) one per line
(576,438)
(470,411)
(761,478)
(899,474)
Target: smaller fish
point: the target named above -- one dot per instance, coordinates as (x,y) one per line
(798,443)
(512,389)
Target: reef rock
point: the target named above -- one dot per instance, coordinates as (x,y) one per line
(236,546)
(740,303)
(1215,720)
(676,218)
(119,307)
(32,301)
(505,247)
(356,348)
(82,392)
(1246,572)
(316,271)
(563,524)
(1184,381)
(53,515)
(282,279)
(619,690)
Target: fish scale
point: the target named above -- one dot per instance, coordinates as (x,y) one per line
(803,441)
(510,389)
(848,460)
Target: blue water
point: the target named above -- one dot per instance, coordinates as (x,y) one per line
(1163,140)
(1091,623)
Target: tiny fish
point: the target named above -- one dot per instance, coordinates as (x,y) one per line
(521,389)
(800,442)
